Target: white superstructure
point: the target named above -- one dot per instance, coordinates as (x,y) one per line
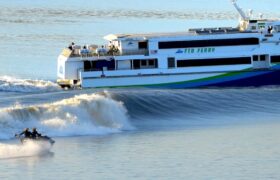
(198,57)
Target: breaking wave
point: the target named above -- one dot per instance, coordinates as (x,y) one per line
(28,149)
(80,115)
(11,84)
(200,107)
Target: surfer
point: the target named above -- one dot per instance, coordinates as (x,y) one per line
(26,133)
(35,133)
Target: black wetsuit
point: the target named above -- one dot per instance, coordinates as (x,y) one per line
(35,134)
(27,134)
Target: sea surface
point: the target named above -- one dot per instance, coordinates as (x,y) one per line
(127,133)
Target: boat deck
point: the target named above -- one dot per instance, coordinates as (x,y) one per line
(190,32)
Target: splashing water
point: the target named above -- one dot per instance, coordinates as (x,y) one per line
(10,84)
(29,148)
(81,115)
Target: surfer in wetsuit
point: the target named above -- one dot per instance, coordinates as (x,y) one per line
(35,133)
(26,133)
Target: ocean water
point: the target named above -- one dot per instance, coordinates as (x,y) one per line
(127,133)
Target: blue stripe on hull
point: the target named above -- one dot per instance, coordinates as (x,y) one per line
(268,78)
(245,79)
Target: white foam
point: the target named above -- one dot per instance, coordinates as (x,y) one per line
(28,149)
(81,115)
(54,123)
(11,84)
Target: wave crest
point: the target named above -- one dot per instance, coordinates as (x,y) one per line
(81,115)
(10,84)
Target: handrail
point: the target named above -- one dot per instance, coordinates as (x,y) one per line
(77,53)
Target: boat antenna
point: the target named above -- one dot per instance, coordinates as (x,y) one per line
(250,13)
(240,11)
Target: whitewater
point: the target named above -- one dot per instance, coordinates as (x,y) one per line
(29,149)
(11,84)
(230,133)
(80,115)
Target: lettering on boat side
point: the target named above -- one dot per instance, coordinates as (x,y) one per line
(200,50)
(180,51)
(130,43)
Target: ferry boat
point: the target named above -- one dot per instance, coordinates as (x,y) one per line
(248,55)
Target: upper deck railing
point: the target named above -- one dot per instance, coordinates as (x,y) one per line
(220,30)
(101,52)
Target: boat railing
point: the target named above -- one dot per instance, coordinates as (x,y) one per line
(218,30)
(103,52)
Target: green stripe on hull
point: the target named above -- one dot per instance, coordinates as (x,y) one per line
(184,82)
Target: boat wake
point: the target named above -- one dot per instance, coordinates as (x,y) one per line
(30,148)
(200,107)
(87,114)
(11,84)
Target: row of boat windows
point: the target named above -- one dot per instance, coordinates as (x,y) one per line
(144,64)
(120,65)
(220,61)
(99,65)
(172,63)
(208,43)
(259,57)
(213,62)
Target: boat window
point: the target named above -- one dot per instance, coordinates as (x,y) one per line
(262,57)
(103,64)
(144,63)
(275,59)
(93,66)
(156,63)
(253,21)
(171,62)
(255,58)
(124,64)
(136,64)
(148,63)
(87,65)
(151,62)
(214,62)
(143,45)
(208,43)
(261,25)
